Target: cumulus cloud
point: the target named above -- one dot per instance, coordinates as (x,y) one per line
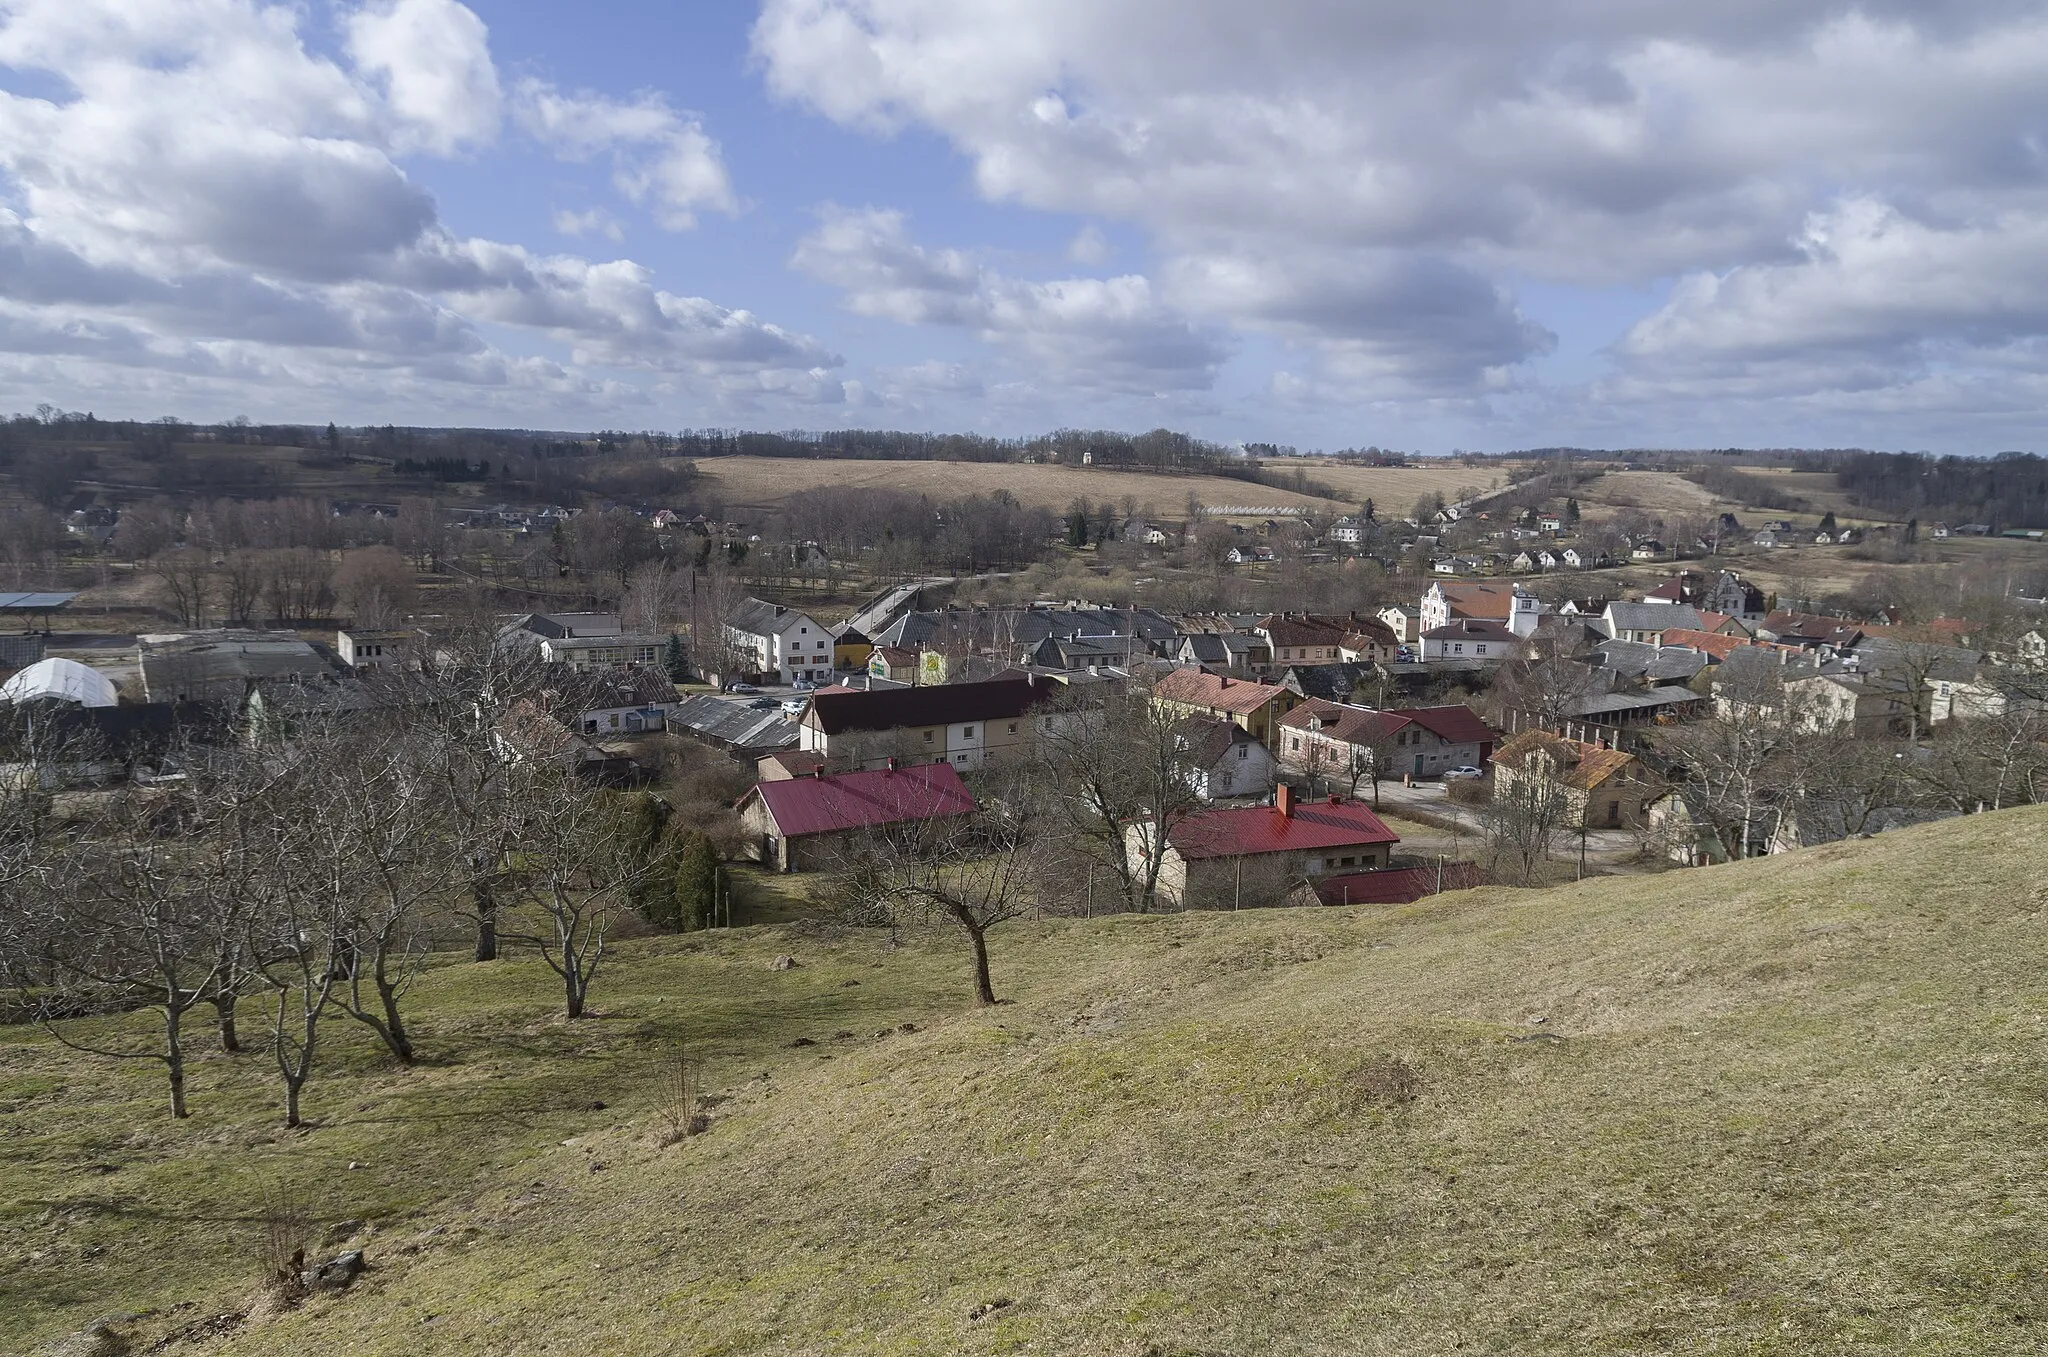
(1369,180)
(661,159)
(209,200)
(1110,333)
(434,62)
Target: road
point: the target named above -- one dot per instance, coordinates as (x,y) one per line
(1602,845)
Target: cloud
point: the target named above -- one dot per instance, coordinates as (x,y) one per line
(1370,181)
(434,62)
(210,202)
(662,160)
(592,221)
(1105,333)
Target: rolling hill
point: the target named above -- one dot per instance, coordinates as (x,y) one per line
(1796,1105)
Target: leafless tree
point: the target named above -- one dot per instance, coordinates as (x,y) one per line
(1734,763)
(376,585)
(241,581)
(579,867)
(186,576)
(971,871)
(1522,825)
(1108,759)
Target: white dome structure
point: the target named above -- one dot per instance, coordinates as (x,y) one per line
(64,680)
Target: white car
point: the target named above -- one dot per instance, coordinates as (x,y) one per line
(794,706)
(803,686)
(1462,773)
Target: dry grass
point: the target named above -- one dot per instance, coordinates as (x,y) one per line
(762,482)
(1787,1106)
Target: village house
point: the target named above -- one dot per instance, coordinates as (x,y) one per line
(851,650)
(1647,622)
(1468,639)
(1601,788)
(1416,742)
(780,644)
(1726,593)
(968,726)
(1238,654)
(1403,621)
(893,663)
(1348,531)
(1843,699)
(584,654)
(366,649)
(610,702)
(1508,604)
(1223,761)
(1255,706)
(1301,639)
(804,824)
(1219,859)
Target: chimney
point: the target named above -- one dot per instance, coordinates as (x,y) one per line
(1283,800)
(819,772)
(1335,799)
(892,763)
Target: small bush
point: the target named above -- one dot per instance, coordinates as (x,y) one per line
(1387,1081)
(1478,792)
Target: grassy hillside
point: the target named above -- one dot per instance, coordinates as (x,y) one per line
(1794,1105)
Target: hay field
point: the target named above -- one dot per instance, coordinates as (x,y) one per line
(763,482)
(1790,1106)
(1655,492)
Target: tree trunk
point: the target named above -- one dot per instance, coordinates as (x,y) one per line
(393,1031)
(224,1018)
(573,988)
(486,922)
(984,992)
(174,1059)
(291,1099)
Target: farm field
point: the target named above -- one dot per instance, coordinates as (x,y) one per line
(1789,1108)
(745,483)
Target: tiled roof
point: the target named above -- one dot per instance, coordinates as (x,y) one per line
(945,705)
(827,805)
(1213,692)
(1458,724)
(1578,765)
(1479,600)
(1710,643)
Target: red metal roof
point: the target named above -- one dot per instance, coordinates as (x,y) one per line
(1335,823)
(826,805)
(1399,885)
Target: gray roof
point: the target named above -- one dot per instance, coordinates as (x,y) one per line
(33,602)
(224,663)
(1654,617)
(1026,626)
(734,725)
(1667,695)
(1658,664)
(757,618)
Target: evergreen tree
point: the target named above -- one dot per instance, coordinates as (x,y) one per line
(675,661)
(1571,511)
(1369,514)
(1827,521)
(695,891)
(1912,531)
(1077,530)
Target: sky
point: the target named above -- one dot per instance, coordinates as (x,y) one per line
(1328,223)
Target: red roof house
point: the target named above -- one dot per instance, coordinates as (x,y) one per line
(1209,856)
(801,823)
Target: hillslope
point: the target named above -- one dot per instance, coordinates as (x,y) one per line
(1795,1105)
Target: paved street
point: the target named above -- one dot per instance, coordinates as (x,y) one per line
(1602,845)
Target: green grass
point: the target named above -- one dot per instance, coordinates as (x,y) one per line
(1798,1106)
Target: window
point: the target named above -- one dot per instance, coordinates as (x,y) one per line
(1482,649)
(967,732)
(1013,727)
(1243,750)
(927,737)
(959,758)
(1294,744)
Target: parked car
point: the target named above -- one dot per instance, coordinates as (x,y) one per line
(803,686)
(741,688)
(764,703)
(794,706)
(1462,773)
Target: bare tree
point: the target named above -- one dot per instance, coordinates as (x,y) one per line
(580,866)
(1109,759)
(186,576)
(970,871)
(377,586)
(1522,825)
(241,580)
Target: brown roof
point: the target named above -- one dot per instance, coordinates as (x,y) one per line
(1361,725)
(1493,601)
(1303,631)
(1578,765)
(1215,692)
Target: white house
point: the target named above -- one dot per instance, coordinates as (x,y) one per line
(1350,531)
(781,644)
(1469,639)
(1224,760)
